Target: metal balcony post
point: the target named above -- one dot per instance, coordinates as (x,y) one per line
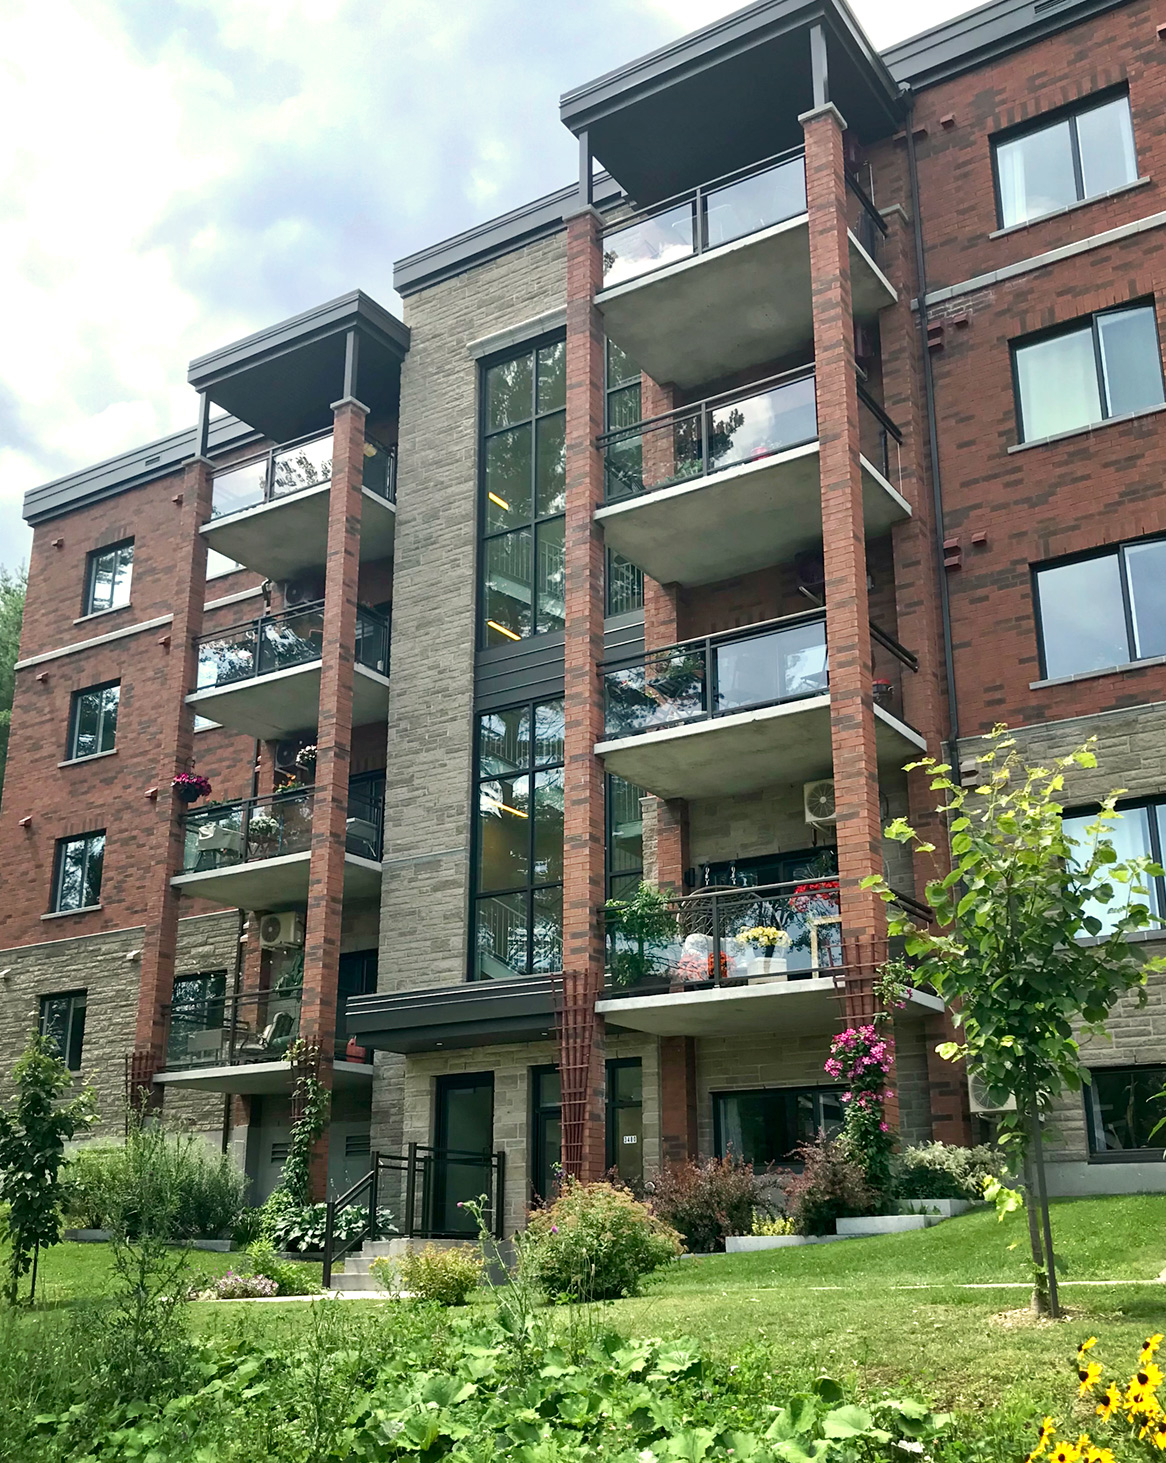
(329,1238)
(499,1192)
(710,679)
(705,465)
(410,1189)
(716,955)
(374,1198)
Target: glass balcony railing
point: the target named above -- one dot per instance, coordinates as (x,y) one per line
(293,468)
(724,431)
(277,642)
(225,835)
(863,219)
(879,438)
(740,670)
(219,1030)
(728,208)
(733,936)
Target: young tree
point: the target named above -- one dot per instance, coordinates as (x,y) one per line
(33,1132)
(1009,958)
(12,586)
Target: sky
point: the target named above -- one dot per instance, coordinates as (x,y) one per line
(178,174)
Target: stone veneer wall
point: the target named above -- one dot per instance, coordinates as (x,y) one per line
(427,794)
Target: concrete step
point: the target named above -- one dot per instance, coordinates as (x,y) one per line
(372,1249)
(355,1280)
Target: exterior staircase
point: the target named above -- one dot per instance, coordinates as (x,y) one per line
(357,1274)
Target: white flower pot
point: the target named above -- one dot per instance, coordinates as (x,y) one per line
(767,965)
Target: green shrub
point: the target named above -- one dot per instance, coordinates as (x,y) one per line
(771,1224)
(596,1242)
(706,1201)
(90,1176)
(303,1227)
(446,1276)
(832,1185)
(945,1171)
(288,1275)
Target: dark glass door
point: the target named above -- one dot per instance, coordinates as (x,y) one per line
(356,976)
(625,1120)
(546,1133)
(460,1168)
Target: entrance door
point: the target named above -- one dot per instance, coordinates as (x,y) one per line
(546,1133)
(464,1136)
(625,1120)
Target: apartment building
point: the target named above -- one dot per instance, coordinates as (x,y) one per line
(818,425)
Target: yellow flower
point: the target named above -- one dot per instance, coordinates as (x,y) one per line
(1149,1376)
(1157,1433)
(1047,1428)
(1064,1453)
(1090,1375)
(1149,1347)
(1087,1345)
(1111,1402)
(1099,1455)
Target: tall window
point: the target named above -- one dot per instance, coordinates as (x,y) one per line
(93,720)
(1054,164)
(1102,610)
(62,1020)
(623,408)
(77,872)
(1123,1110)
(518,912)
(625,837)
(766,1126)
(1139,832)
(524,479)
(1105,366)
(107,577)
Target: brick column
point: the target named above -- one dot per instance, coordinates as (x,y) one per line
(852,727)
(678,1134)
(581,1030)
(947,1084)
(333,755)
(179,653)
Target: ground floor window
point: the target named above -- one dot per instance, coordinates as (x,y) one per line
(766,1126)
(625,1120)
(62,1020)
(1123,1105)
(546,1108)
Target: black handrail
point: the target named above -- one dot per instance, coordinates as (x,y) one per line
(720,637)
(868,207)
(640,215)
(707,403)
(878,412)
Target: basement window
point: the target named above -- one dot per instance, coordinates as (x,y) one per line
(1123,1105)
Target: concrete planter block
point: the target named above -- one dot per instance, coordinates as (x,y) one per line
(218,1246)
(946,1208)
(886,1224)
(88,1236)
(737,1244)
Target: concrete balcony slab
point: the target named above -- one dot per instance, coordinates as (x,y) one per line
(289,535)
(275,883)
(283,703)
(260,1077)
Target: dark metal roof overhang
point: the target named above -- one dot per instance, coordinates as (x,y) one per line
(728,95)
(478,1013)
(283,380)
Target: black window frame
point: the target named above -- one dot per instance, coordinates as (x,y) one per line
(71,753)
(609,874)
(1107,551)
(1153,1154)
(92,559)
(542,1111)
(75,1029)
(611,388)
(478,895)
(817,1090)
(1157,844)
(1075,327)
(536,521)
(612,1106)
(1053,118)
(59,868)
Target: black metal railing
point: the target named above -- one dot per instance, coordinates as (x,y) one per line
(866,223)
(277,642)
(729,430)
(879,438)
(250,830)
(231,1031)
(730,207)
(293,467)
(738,670)
(425,1190)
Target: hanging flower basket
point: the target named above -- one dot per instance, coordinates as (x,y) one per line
(306,761)
(189,787)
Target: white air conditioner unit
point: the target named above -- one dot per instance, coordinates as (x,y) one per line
(978,1098)
(281,931)
(818,798)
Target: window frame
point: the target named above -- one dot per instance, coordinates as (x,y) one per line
(1155,1154)
(718,1096)
(610,389)
(609,836)
(536,521)
(71,753)
(1076,327)
(1116,550)
(92,559)
(87,839)
(478,896)
(1070,113)
(77,1002)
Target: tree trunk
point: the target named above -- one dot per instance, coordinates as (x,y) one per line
(1046,1222)
(35,1259)
(1040,1296)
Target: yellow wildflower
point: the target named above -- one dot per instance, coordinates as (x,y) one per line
(1087,1345)
(1090,1375)
(1156,1433)
(1047,1428)
(1110,1403)
(1064,1452)
(1099,1455)
(1149,1376)
(1149,1347)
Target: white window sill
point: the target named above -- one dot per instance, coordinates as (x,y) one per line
(1043,218)
(92,757)
(1105,670)
(1129,416)
(101,614)
(68,913)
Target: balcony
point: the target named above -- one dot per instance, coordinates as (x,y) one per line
(737,961)
(717,279)
(271,513)
(731,484)
(743,710)
(262,677)
(254,854)
(240,1043)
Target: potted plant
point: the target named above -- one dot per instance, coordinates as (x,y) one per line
(769,940)
(189,787)
(306,762)
(633,926)
(263,830)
